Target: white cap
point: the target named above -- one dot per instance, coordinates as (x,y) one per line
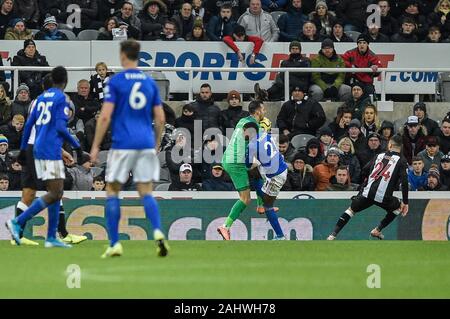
(185,167)
(413,120)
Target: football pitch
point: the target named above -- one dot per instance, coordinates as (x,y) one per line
(235,269)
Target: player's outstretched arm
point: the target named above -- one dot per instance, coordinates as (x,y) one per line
(101,128)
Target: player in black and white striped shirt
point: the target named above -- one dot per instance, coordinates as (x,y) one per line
(382,174)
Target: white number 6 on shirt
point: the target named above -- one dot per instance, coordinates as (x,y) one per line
(137,99)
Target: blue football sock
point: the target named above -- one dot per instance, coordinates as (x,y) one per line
(152,211)
(258,184)
(53,218)
(37,206)
(273,220)
(113,218)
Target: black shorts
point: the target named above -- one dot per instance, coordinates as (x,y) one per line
(360,203)
(28,177)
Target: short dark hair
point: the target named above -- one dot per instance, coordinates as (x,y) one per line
(99,178)
(343,167)
(283,139)
(59,75)
(249,125)
(127,2)
(131,49)
(3,177)
(47,82)
(253,106)
(205,85)
(172,23)
(397,140)
(416,159)
(226,5)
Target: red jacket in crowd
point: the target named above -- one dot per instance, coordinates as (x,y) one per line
(353,58)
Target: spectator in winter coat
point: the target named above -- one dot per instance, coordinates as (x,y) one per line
(18,31)
(133,24)
(417,176)
(412,11)
(338,34)
(106,32)
(221,25)
(186,120)
(5,105)
(106,9)
(285,148)
(349,159)
(29,56)
(358,101)
(300,178)
(373,33)
(444,135)
(13,131)
(435,36)
(169,32)
(386,131)
(198,32)
(152,19)
(355,135)
(85,105)
(326,139)
(313,153)
(184,20)
(22,101)
(217,182)
(363,57)
(414,138)
(445,170)
(431,154)
(326,170)
(328,85)
(341,181)
(7,13)
(240,35)
(98,81)
(205,108)
(300,115)
(322,18)
(82,175)
(231,116)
(389,25)
(273,5)
(340,124)
(259,23)
(370,121)
(441,17)
(434,181)
(420,110)
(309,33)
(184,182)
(5,159)
(292,22)
(373,148)
(407,32)
(302,80)
(50,31)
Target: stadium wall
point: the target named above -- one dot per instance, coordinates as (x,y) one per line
(217,54)
(310,216)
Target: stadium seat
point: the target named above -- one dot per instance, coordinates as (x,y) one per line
(102,158)
(88,35)
(353,34)
(276,15)
(299,141)
(162,187)
(34,31)
(96,171)
(70,35)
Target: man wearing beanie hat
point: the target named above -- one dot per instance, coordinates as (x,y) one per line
(239,34)
(327,169)
(356,136)
(300,178)
(328,85)
(292,21)
(50,31)
(337,32)
(434,181)
(431,154)
(363,57)
(22,101)
(420,110)
(29,56)
(445,170)
(231,116)
(18,30)
(301,80)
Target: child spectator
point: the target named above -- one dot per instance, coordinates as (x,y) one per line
(98,81)
(98,184)
(417,176)
(4,182)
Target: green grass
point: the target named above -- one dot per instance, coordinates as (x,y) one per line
(238,269)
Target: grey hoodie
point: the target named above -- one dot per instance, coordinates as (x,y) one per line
(261,25)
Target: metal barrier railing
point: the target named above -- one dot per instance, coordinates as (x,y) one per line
(191,70)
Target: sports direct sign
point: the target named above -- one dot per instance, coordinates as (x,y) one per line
(217,54)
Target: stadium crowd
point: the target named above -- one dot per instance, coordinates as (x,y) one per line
(335,151)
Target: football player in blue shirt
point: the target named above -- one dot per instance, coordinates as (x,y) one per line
(263,155)
(131,104)
(49,116)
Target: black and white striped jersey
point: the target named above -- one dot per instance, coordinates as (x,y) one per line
(385,173)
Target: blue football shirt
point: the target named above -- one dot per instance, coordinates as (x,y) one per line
(134,95)
(49,116)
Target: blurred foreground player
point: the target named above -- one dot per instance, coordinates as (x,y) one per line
(30,184)
(131,104)
(49,117)
(387,171)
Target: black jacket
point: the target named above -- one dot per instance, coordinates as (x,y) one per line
(216,28)
(231,116)
(431,125)
(295,79)
(151,27)
(444,142)
(18,107)
(12,135)
(389,25)
(179,186)
(208,112)
(353,12)
(85,108)
(187,122)
(217,184)
(31,78)
(300,180)
(301,117)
